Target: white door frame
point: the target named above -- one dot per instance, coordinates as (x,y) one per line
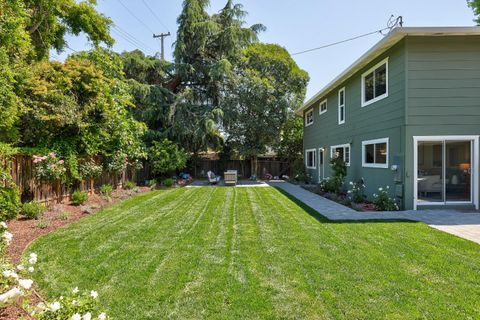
(321,166)
(474,171)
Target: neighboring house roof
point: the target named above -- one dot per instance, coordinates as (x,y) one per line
(383,45)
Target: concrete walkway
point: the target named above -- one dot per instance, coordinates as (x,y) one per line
(463,224)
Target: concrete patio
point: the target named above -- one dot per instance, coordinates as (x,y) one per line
(460,223)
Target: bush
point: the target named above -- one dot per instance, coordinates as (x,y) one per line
(79,197)
(168,182)
(63,215)
(49,167)
(33,210)
(383,202)
(152,184)
(356,195)
(42,224)
(331,185)
(129,185)
(300,171)
(165,156)
(106,190)
(9,202)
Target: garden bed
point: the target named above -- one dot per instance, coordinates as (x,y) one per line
(342,198)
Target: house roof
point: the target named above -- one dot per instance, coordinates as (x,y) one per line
(383,45)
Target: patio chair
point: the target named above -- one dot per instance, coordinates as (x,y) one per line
(212,178)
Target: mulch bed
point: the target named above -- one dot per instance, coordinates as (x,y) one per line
(25,231)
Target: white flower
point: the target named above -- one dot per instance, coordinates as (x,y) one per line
(102,316)
(87,316)
(94,294)
(76,316)
(10,295)
(75,290)
(380,189)
(351,183)
(20,267)
(388,187)
(55,306)
(3,225)
(7,236)
(31,269)
(25,283)
(10,274)
(33,258)
(74,302)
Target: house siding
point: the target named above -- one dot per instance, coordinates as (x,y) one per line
(443,92)
(381,119)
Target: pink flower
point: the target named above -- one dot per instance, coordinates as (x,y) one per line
(53,155)
(61,162)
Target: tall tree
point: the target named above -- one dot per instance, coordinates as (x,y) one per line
(51,20)
(268,86)
(475,5)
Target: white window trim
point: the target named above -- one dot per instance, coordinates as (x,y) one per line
(342,146)
(375,165)
(340,106)
(320,107)
(383,96)
(306,113)
(314,158)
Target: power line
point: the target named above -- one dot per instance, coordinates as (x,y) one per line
(131,39)
(133,15)
(392,23)
(155,15)
(342,41)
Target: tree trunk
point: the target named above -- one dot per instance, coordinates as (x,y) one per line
(254,166)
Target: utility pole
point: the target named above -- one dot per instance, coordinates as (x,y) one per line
(162,36)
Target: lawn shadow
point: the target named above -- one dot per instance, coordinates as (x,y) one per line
(320,218)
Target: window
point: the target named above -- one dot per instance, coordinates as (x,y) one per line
(375,83)
(308,117)
(375,153)
(341,106)
(323,107)
(310,158)
(342,151)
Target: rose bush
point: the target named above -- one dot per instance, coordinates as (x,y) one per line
(49,167)
(16,287)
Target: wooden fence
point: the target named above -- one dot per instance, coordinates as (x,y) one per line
(273,167)
(22,171)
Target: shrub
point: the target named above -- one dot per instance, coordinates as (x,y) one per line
(49,168)
(383,202)
(165,156)
(9,202)
(331,185)
(79,197)
(63,215)
(42,224)
(106,190)
(356,194)
(33,210)
(152,184)
(168,182)
(300,171)
(129,185)
(90,169)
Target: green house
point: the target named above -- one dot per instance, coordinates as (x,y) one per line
(406,115)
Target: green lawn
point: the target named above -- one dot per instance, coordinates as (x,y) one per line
(254,253)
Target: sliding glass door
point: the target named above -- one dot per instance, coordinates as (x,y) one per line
(444,171)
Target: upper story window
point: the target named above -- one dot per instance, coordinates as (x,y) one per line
(375,153)
(308,117)
(310,162)
(323,107)
(342,151)
(341,106)
(375,83)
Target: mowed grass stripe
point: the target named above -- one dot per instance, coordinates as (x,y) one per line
(254,253)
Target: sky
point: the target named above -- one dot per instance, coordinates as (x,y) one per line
(296,25)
